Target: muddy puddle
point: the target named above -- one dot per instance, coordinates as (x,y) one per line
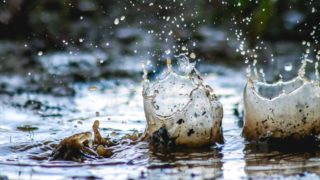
(33,123)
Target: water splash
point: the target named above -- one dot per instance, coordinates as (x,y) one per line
(253,75)
(183,105)
(284,109)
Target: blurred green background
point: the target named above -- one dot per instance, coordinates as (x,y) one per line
(211,29)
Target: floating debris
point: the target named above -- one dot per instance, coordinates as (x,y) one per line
(93,88)
(181,105)
(27,128)
(80,147)
(74,148)
(282,110)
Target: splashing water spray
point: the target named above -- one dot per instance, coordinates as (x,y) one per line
(181,104)
(282,110)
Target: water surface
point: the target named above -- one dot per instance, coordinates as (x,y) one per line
(33,122)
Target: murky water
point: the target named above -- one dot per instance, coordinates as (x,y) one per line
(33,123)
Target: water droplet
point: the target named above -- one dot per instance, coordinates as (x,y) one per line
(116,21)
(122,18)
(40,53)
(307,51)
(184,65)
(192,55)
(65,42)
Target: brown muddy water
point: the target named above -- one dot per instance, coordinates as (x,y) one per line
(33,123)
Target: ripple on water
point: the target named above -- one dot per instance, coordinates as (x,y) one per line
(24,154)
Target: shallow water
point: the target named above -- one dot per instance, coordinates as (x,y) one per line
(32,123)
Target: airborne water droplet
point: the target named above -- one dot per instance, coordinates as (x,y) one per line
(288,67)
(116,21)
(40,53)
(192,55)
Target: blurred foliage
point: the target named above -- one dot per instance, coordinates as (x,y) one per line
(85,28)
(270,19)
(50,21)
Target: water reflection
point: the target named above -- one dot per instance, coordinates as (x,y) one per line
(201,163)
(24,157)
(263,160)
